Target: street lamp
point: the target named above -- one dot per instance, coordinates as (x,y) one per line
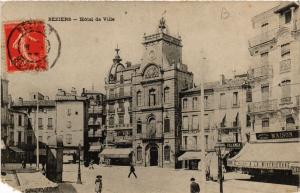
(218,148)
(79,172)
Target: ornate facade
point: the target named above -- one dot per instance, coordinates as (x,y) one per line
(150,104)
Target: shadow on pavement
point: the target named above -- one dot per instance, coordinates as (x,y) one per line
(66,188)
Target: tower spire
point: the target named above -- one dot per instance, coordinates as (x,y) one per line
(117,58)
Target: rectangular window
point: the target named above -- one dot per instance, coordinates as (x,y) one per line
(121,92)
(167,125)
(29,139)
(184,141)
(19,137)
(111,93)
(195,122)
(121,107)
(206,141)
(195,106)
(121,119)
(206,121)
(69,138)
(185,123)
(265,92)
(40,123)
(285,91)
(206,102)
(69,112)
(265,122)
(50,123)
(139,127)
(248,122)
(184,103)
(235,99)
(285,50)
(264,57)
(222,100)
(249,95)
(287,16)
(111,120)
(139,154)
(20,120)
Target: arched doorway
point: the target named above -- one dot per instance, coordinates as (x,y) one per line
(153,156)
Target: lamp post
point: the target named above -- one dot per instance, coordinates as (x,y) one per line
(79,172)
(218,148)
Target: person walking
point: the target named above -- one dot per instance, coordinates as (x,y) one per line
(132,171)
(195,188)
(98,184)
(91,165)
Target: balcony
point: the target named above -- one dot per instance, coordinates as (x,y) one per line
(123,139)
(50,127)
(119,96)
(286,100)
(264,37)
(265,71)
(263,106)
(187,131)
(123,126)
(189,148)
(152,107)
(97,133)
(149,136)
(95,110)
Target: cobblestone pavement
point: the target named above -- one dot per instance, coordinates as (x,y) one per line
(162,180)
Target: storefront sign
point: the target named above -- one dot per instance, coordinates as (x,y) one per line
(295,170)
(278,135)
(233,145)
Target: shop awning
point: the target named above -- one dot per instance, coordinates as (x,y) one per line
(267,156)
(116,153)
(190,155)
(95,148)
(2,145)
(16,149)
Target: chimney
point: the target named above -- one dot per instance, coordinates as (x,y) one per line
(83,90)
(73,91)
(222,79)
(128,64)
(20,100)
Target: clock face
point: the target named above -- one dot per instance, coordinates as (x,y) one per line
(152,55)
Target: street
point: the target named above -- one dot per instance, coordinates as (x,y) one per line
(161,180)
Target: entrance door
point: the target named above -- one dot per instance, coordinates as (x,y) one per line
(153,156)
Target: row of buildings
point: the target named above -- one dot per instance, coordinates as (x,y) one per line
(150,112)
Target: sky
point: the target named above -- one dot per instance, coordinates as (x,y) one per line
(217,30)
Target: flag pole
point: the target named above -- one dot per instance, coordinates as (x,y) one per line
(37,133)
(202,136)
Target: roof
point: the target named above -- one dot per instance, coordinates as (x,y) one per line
(260,153)
(116,152)
(190,155)
(48,103)
(207,85)
(69,98)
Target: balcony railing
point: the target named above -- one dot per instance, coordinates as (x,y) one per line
(123,139)
(285,65)
(152,135)
(120,95)
(286,100)
(123,126)
(50,127)
(97,133)
(189,148)
(265,71)
(263,106)
(263,37)
(40,126)
(190,131)
(95,110)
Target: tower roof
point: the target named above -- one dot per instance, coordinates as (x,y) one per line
(117,58)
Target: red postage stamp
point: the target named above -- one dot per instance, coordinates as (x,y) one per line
(28,45)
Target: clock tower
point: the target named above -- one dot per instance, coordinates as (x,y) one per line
(161,48)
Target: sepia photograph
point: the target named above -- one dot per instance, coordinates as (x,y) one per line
(150,97)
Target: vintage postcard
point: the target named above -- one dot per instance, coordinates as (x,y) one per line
(150,97)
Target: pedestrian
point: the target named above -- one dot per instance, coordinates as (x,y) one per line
(195,188)
(132,171)
(91,165)
(98,184)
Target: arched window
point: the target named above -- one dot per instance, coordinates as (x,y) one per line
(166,94)
(139,153)
(152,97)
(139,98)
(139,126)
(167,152)
(151,127)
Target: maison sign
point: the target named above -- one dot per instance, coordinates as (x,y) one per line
(278,135)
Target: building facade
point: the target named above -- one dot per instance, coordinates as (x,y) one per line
(71,122)
(96,122)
